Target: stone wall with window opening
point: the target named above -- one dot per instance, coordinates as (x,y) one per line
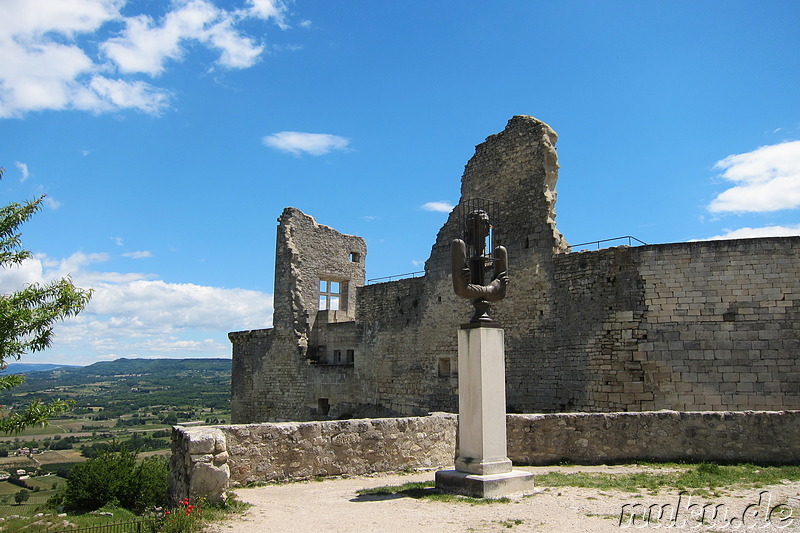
(706,326)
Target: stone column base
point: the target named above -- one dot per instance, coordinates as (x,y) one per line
(469,465)
(486,486)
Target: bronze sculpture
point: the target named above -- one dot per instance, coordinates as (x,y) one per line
(469,269)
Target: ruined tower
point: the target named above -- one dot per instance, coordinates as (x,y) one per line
(686,326)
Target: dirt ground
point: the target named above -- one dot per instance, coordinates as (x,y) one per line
(334,506)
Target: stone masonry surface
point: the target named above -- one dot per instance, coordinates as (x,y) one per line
(706,326)
(213,458)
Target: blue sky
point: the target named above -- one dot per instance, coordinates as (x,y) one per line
(168,137)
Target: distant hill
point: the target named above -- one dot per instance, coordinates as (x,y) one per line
(24,368)
(124,383)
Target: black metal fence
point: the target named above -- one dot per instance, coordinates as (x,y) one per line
(597,244)
(138,526)
(396,277)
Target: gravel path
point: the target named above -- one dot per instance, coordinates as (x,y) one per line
(334,506)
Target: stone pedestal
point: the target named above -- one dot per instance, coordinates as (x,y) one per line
(483,469)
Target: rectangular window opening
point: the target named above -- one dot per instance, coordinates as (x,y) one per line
(323,406)
(330,295)
(444,367)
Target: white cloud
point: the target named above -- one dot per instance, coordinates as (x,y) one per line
(767,179)
(159,305)
(23,168)
(237,50)
(439,207)
(146,45)
(142,254)
(751,233)
(65,16)
(51,202)
(38,74)
(268,9)
(296,142)
(137,315)
(106,94)
(61,55)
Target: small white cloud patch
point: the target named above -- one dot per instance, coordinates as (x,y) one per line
(143,254)
(439,207)
(23,168)
(51,202)
(298,142)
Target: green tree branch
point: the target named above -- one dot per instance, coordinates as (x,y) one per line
(27,316)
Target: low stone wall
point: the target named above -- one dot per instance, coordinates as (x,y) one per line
(596,438)
(276,452)
(207,460)
(198,467)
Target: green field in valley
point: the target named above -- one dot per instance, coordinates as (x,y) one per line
(129,402)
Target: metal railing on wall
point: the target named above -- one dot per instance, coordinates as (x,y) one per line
(629,238)
(396,277)
(572,248)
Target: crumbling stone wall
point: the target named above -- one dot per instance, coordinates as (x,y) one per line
(410,325)
(306,253)
(704,325)
(212,459)
(286,451)
(271,368)
(198,467)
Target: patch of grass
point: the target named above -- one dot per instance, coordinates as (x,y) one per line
(220,511)
(511,523)
(704,477)
(606,516)
(428,491)
(406,488)
(50,521)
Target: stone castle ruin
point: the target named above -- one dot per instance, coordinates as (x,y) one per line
(700,326)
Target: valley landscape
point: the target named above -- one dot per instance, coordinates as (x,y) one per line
(131,403)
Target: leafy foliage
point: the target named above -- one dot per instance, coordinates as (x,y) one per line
(21,496)
(116,477)
(185,518)
(27,316)
(36,414)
